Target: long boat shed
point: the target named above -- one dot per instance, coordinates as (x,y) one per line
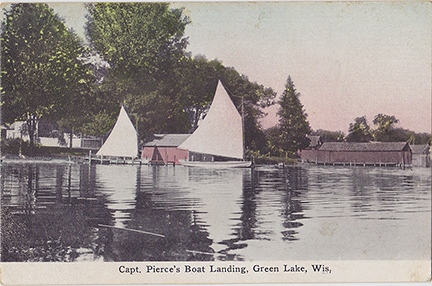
(354,153)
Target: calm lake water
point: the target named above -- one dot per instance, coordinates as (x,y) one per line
(66,212)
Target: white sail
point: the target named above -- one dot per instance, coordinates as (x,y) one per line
(122,142)
(221,131)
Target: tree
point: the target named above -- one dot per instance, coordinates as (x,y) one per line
(359,131)
(137,38)
(385,128)
(143,44)
(293,125)
(41,74)
(273,136)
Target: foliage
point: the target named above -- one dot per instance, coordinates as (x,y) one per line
(293,127)
(273,142)
(384,130)
(137,38)
(41,75)
(143,44)
(359,131)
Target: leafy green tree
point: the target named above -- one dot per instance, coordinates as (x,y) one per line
(359,131)
(137,38)
(385,128)
(293,126)
(273,136)
(40,71)
(143,44)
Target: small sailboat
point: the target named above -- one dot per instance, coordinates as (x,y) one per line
(218,140)
(123,139)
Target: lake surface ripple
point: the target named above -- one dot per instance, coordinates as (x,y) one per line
(72,212)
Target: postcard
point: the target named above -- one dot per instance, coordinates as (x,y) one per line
(215,142)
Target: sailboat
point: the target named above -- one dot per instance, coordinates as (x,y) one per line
(123,139)
(218,140)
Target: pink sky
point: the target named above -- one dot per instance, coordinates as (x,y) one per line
(346,59)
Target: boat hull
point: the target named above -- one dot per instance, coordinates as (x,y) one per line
(217,165)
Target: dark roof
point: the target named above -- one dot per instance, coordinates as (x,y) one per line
(315,140)
(419,149)
(167,140)
(363,147)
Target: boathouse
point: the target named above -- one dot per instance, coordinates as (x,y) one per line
(354,153)
(163,149)
(421,155)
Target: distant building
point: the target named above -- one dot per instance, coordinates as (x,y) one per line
(421,155)
(372,153)
(17,129)
(163,149)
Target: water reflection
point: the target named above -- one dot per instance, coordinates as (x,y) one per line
(119,184)
(67,212)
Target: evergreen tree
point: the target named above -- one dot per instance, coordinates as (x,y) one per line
(293,126)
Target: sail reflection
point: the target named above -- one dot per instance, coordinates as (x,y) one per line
(218,203)
(118,183)
(71,212)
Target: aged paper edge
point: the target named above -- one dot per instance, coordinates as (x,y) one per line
(52,273)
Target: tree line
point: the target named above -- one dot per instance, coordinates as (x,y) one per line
(384,130)
(135,55)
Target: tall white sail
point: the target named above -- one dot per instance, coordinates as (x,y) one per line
(221,131)
(122,142)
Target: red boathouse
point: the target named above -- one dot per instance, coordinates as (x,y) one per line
(163,149)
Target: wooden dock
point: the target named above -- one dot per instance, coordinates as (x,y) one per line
(109,160)
(363,164)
